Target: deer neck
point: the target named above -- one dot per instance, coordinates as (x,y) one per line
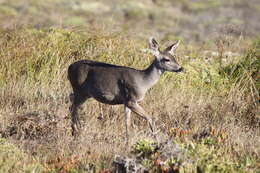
(151,75)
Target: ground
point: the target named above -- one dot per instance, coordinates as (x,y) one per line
(209,114)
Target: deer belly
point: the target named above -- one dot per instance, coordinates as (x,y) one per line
(108,98)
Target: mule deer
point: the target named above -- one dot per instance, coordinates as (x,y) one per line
(113,84)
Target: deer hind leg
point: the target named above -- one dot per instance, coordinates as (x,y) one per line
(141,112)
(77,100)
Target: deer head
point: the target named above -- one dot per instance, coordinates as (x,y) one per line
(165,60)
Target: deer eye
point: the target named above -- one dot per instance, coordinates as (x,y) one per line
(166,60)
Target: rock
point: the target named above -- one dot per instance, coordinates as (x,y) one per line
(127,165)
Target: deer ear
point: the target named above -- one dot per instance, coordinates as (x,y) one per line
(154,46)
(171,49)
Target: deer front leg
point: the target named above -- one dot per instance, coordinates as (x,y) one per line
(136,108)
(127,122)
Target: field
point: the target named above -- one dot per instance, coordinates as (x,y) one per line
(208,117)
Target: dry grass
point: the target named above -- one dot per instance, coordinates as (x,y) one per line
(210,101)
(212,110)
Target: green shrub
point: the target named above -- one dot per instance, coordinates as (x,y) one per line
(14,160)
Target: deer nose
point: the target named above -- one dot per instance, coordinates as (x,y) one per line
(180,69)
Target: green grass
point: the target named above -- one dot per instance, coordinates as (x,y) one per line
(204,156)
(13,159)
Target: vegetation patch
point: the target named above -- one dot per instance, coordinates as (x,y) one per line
(14,160)
(206,119)
(200,115)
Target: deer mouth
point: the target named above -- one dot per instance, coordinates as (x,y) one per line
(178,70)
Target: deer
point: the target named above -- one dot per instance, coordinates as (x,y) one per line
(119,85)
